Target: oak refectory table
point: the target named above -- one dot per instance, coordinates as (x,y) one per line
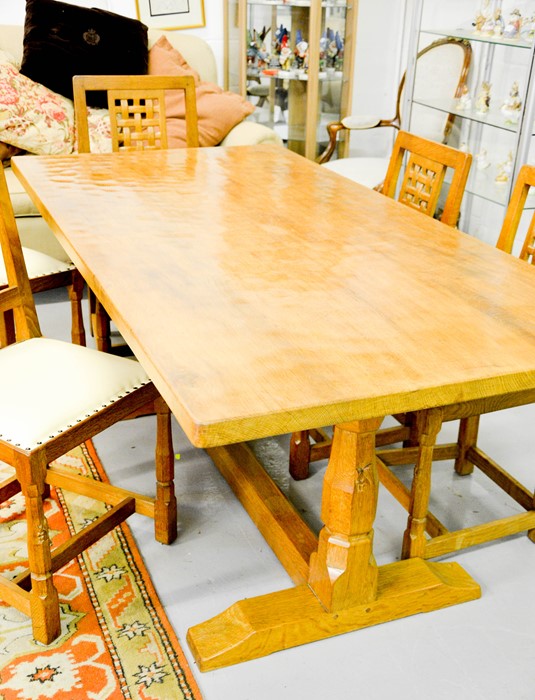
(263,295)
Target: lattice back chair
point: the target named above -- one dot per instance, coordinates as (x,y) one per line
(427,163)
(422,451)
(442,70)
(137,109)
(138,122)
(424,174)
(55,395)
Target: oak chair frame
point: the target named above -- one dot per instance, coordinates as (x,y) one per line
(138,122)
(423,177)
(419,432)
(73,281)
(137,109)
(33,591)
(421,450)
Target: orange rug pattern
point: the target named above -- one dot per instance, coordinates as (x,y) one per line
(116,641)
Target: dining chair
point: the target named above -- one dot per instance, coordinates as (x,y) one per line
(422,450)
(54,396)
(441,73)
(426,165)
(46,272)
(137,119)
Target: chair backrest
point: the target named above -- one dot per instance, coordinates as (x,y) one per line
(511,222)
(441,73)
(137,109)
(16,298)
(424,173)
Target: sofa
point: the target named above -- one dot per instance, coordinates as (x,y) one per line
(34,232)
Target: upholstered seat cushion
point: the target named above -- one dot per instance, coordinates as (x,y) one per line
(38,265)
(49,385)
(369,172)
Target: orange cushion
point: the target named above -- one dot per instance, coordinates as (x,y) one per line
(218,111)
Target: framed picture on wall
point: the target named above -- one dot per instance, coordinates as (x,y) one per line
(171,14)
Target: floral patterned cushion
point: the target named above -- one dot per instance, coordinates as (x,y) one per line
(32,117)
(98,122)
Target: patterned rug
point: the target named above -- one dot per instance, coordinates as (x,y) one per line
(116,641)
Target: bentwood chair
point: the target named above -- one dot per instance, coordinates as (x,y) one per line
(137,119)
(441,73)
(55,395)
(466,452)
(423,178)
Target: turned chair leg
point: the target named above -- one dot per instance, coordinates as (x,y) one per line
(300,455)
(165,510)
(101,327)
(76,292)
(44,602)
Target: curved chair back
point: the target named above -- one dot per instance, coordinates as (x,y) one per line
(441,73)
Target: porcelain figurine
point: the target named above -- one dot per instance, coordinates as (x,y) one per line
(513,104)
(514,22)
(483,98)
(286,54)
(527,31)
(301,51)
(499,24)
(465,101)
(482,17)
(481,160)
(488,26)
(505,169)
(257,54)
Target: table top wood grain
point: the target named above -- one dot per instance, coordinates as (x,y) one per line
(264,294)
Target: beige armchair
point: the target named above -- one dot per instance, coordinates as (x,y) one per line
(441,72)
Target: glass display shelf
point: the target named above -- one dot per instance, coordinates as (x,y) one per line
(465,32)
(279,74)
(297,3)
(494,117)
(506,65)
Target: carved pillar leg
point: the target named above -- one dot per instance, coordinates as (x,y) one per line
(468,429)
(165,515)
(428,424)
(76,291)
(44,601)
(300,455)
(343,572)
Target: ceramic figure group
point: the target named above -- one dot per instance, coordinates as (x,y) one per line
(489,21)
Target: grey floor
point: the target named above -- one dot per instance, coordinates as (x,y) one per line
(482,650)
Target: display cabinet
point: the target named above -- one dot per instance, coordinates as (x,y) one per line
(494,118)
(294,60)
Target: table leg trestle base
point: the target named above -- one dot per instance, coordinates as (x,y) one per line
(259,626)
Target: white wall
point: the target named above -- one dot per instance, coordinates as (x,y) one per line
(377,72)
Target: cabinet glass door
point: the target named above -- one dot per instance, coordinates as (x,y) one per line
(293,60)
